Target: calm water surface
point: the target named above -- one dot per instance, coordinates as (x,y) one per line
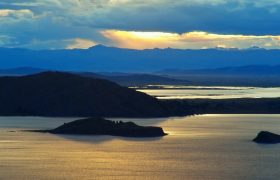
(198,147)
(210,92)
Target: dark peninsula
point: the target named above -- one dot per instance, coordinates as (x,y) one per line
(101,126)
(265,137)
(62,94)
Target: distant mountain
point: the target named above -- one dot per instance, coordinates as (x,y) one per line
(109,59)
(253,75)
(20,71)
(137,79)
(124,79)
(64,94)
(255,70)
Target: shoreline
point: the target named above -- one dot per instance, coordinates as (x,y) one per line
(191,107)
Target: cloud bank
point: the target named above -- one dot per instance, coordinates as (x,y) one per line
(190,40)
(59,23)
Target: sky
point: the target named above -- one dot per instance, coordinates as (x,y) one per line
(140,24)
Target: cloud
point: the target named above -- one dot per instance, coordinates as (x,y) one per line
(81,44)
(62,20)
(6,40)
(219,16)
(190,40)
(16,13)
(38,44)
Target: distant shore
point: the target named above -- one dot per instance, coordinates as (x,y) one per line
(189,107)
(225,106)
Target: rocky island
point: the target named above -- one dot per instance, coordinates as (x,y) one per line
(265,137)
(101,126)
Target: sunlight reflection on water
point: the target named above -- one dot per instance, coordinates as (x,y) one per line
(212,92)
(197,147)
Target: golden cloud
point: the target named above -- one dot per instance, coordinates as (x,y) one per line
(189,40)
(17,13)
(79,43)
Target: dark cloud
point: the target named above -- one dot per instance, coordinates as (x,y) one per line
(225,18)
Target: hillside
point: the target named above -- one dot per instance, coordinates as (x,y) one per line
(64,94)
(124,79)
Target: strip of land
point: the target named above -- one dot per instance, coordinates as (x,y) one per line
(225,106)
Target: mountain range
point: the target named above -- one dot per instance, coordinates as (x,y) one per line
(127,79)
(124,79)
(250,70)
(110,59)
(253,75)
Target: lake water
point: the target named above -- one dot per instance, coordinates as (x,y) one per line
(210,92)
(197,147)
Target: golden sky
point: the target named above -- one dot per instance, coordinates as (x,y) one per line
(189,40)
(139,24)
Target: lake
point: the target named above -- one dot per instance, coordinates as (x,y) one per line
(210,92)
(197,147)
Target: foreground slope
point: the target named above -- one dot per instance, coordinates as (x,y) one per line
(64,94)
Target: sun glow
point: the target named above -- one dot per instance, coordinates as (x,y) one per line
(152,35)
(140,40)
(191,40)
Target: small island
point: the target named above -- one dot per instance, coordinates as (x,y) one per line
(265,137)
(101,126)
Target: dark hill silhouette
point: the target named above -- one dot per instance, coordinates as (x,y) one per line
(265,137)
(64,94)
(124,79)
